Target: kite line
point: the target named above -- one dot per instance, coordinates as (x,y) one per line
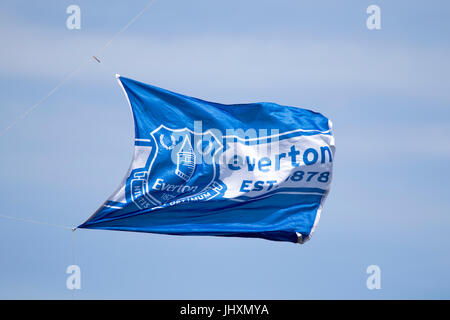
(48,95)
(36,222)
(55,89)
(75,71)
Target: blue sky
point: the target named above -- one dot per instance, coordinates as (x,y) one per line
(386,92)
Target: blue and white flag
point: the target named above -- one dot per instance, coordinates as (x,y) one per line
(201,168)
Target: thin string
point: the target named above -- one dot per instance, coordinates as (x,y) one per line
(152,2)
(73,256)
(39,102)
(105,67)
(71,74)
(44,98)
(35,222)
(73,245)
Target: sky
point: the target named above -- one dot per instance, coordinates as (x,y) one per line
(386,91)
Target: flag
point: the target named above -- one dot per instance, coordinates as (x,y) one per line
(258,170)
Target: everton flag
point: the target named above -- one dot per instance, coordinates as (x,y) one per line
(201,168)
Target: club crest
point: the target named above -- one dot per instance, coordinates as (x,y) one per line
(181,163)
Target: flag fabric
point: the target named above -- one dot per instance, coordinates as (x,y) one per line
(201,168)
